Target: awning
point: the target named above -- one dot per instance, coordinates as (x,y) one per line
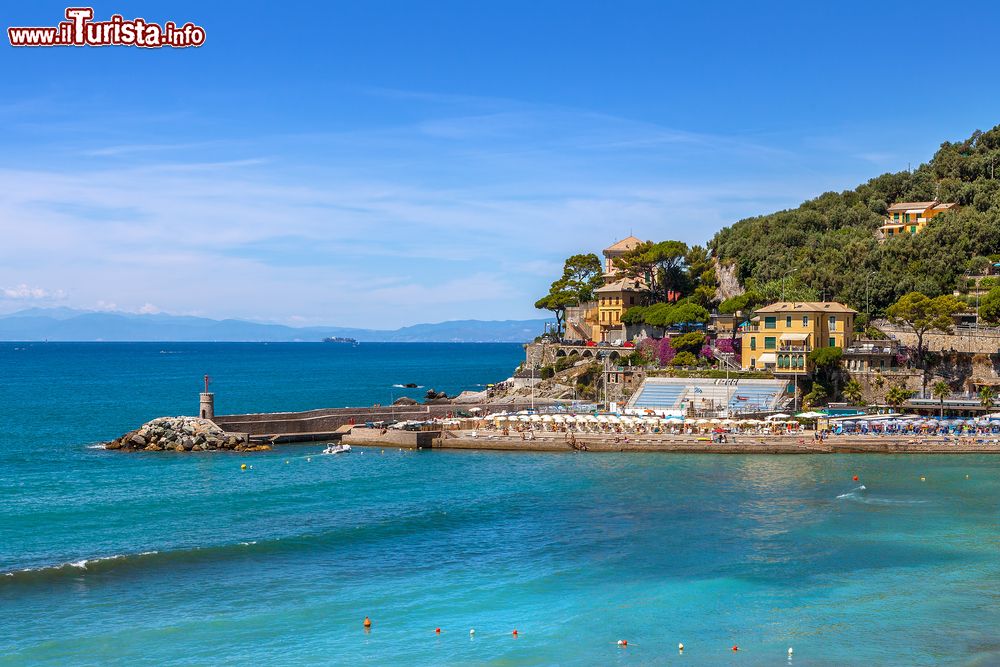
(768,358)
(795,337)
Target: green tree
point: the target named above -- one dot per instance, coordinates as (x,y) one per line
(582,274)
(635,315)
(897,395)
(686,314)
(853,391)
(924,314)
(987,396)
(558,300)
(661,265)
(989,307)
(826,361)
(689,342)
(684,359)
(941,390)
(817,396)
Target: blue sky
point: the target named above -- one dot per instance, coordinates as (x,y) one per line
(387,163)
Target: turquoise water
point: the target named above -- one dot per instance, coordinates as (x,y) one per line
(163,559)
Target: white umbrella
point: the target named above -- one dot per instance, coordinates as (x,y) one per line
(780,415)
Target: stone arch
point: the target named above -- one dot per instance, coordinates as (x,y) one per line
(614,356)
(560,353)
(587,353)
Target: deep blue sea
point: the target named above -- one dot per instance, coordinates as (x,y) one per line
(159,558)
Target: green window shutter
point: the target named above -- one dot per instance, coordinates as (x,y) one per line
(769,343)
(770,323)
(833,342)
(753,343)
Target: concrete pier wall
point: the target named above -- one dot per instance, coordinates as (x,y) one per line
(330,419)
(375,437)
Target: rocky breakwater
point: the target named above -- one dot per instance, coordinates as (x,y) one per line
(182,434)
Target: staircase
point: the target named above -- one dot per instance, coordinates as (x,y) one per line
(726,359)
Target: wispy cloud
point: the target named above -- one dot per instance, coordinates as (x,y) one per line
(25,292)
(465,212)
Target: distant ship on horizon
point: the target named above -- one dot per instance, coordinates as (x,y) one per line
(339,339)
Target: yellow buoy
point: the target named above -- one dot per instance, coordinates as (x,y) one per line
(923,479)
(243,467)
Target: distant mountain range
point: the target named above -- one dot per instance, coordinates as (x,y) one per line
(67,324)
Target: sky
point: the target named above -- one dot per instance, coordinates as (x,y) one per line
(380,164)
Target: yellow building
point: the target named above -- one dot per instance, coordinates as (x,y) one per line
(780,337)
(911,217)
(612,301)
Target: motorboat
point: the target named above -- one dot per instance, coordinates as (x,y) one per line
(336,449)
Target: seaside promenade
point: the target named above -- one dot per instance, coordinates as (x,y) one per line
(802,443)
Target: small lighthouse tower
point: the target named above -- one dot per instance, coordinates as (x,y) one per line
(207,408)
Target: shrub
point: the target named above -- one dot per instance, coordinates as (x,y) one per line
(684,359)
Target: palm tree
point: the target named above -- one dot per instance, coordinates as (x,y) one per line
(986,396)
(853,391)
(941,390)
(897,395)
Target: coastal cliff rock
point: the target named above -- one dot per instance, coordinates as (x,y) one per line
(182,434)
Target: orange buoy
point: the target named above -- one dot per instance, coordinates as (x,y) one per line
(855,478)
(623,643)
(368,622)
(514,633)
(735,647)
(437,631)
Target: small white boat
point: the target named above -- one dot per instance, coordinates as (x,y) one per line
(336,449)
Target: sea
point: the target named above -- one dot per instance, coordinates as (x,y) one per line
(108,558)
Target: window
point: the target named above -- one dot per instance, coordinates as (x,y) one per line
(753,343)
(805,320)
(833,323)
(770,323)
(782,361)
(753,363)
(770,342)
(895,217)
(788,321)
(913,230)
(833,342)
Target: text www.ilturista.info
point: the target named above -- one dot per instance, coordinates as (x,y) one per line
(81,30)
